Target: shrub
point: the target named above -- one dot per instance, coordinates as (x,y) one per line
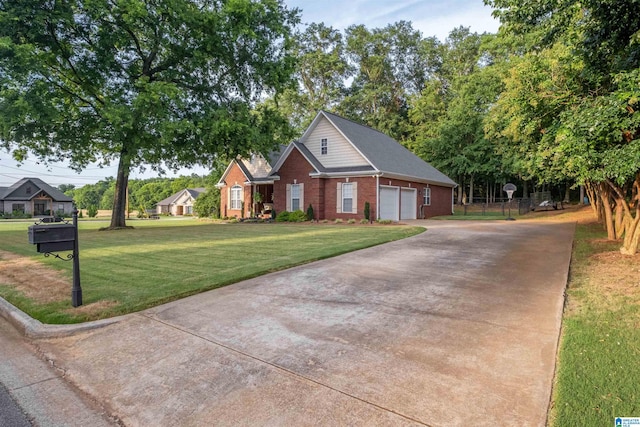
(92,211)
(325,221)
(297,216)
(364,221)
(282,216)
(338,221)
(351,221)
(367,211)
(385,221)
(310,215)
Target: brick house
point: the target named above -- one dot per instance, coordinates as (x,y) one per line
(336,167)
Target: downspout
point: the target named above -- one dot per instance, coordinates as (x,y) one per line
(377,197)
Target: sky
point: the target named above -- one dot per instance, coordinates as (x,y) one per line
(431,17)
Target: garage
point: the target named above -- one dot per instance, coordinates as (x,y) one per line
(389,202)
(408,203)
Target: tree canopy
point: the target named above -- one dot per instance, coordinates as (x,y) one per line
(161,82)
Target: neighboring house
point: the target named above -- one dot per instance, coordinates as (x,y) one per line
(336,167)
(180,203)
(35,197)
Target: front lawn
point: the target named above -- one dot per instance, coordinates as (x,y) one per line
(598,372)
(159,261)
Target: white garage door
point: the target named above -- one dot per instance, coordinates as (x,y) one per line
(389,203)
(408,200)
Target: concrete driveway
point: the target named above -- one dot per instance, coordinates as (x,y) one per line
(456,326)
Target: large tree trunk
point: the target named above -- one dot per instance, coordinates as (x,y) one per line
(120,199)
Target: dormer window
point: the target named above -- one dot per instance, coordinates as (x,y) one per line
(28,190)
(323,146)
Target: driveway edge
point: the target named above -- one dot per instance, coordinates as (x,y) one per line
(33,328)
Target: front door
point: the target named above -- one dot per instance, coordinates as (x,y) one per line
(39,208)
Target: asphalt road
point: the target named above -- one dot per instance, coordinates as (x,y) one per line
(11,414)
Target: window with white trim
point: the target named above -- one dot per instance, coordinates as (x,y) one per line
(295,197)
(427,197)
(324,146)
(236,197)
(347,197)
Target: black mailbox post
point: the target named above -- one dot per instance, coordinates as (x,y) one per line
(50,238)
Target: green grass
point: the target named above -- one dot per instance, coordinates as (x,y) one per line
(598,373)
(160,261)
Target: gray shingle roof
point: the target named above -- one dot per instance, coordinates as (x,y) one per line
(53,192)
(385,153)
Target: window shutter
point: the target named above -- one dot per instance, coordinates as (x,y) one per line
(228,197)
(354,187)
(339,198)
(288,208)
(301,187)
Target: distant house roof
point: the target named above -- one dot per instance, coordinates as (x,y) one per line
(384,154)
(10,193)
(193,192)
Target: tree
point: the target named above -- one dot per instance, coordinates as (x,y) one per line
(208,203)
(585,108)
(321,71)
(164,82)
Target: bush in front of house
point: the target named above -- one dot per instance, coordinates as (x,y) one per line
(296,216)
(310,215)
(283,216)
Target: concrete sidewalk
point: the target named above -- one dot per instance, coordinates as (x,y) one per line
(456,326)
(40,389)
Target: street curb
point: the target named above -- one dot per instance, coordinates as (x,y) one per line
(32,328)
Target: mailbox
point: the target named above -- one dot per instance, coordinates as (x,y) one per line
(50,238)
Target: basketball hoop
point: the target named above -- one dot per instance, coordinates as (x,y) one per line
(509,189)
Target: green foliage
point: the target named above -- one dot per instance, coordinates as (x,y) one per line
(161,83)
(208,203)
(351,221)
(310,215)
(283,216)
(295,216)
(142,211)
(364,221)
(367,211)
(338,221)
(92,211)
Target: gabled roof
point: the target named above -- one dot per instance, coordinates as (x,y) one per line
(193,192)
(53,192)
(255,173)
(385,155)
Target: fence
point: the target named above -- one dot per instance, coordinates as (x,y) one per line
(522,206)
